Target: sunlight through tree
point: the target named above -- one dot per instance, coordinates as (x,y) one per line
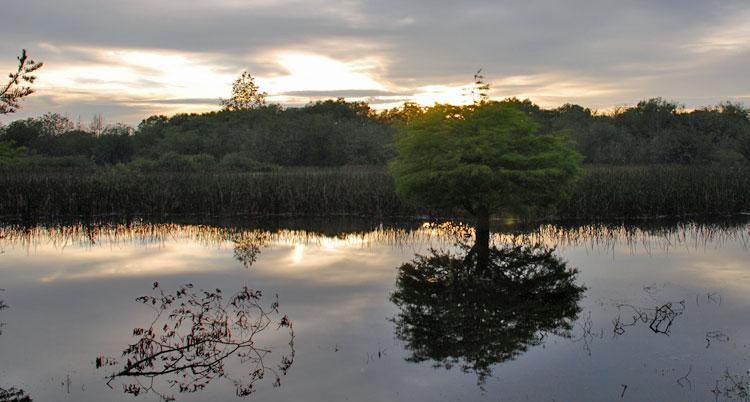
(245,94)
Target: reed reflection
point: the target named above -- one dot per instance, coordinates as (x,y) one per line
(484,305)
(249,241)
(198,336)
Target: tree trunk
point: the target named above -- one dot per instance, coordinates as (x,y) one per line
(482,242)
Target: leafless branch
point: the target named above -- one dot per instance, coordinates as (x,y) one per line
(193,335)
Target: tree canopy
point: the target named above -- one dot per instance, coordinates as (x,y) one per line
(337,132)
(485,158)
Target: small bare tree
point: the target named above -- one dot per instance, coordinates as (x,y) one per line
(480,92)
(97,124)
(245,94)
(19,84)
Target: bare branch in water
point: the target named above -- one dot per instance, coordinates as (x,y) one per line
(192,337)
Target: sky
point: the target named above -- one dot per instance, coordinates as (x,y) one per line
(127,60)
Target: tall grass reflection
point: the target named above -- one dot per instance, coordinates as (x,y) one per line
(248,241)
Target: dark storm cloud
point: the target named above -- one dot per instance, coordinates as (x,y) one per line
(693,50)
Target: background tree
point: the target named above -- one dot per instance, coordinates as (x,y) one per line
(97,124)
(337,132)
(245,94)
(54,124)
(19,84)
(114,146)
(484,158)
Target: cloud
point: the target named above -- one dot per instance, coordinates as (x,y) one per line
(602,53)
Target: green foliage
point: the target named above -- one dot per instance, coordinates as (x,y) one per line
(331,133)
(484,158)
(336,133)
(70,143)
(241,162)
(10,154)
(648,118)
(69,164)
(113,148)
(657,132)
(175,162)
(340,109)
(21,132)
(400,116)
(605,143)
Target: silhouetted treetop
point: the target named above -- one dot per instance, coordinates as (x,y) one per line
(245,94)
(19,83)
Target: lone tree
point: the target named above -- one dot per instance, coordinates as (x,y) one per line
(485,158)
(245,94)
(19,84)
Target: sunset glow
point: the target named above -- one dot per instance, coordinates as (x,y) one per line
(170,60)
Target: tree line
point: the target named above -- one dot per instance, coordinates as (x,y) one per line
(338,133)
(654,131)
(326,133)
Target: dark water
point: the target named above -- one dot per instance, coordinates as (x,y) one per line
(655,313)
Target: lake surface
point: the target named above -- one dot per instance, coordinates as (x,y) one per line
(656,312)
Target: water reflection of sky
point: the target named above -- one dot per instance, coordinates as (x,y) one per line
(72,299)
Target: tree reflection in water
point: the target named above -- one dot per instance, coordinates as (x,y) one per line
(247,246)
(13,395)
(197,337)
(484,307)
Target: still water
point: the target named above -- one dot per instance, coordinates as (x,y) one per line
(349,311)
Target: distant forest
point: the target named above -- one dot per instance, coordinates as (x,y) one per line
(339,133)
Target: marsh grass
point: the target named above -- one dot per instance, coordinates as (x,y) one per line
(659,191)
(119,191)
(602,192)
